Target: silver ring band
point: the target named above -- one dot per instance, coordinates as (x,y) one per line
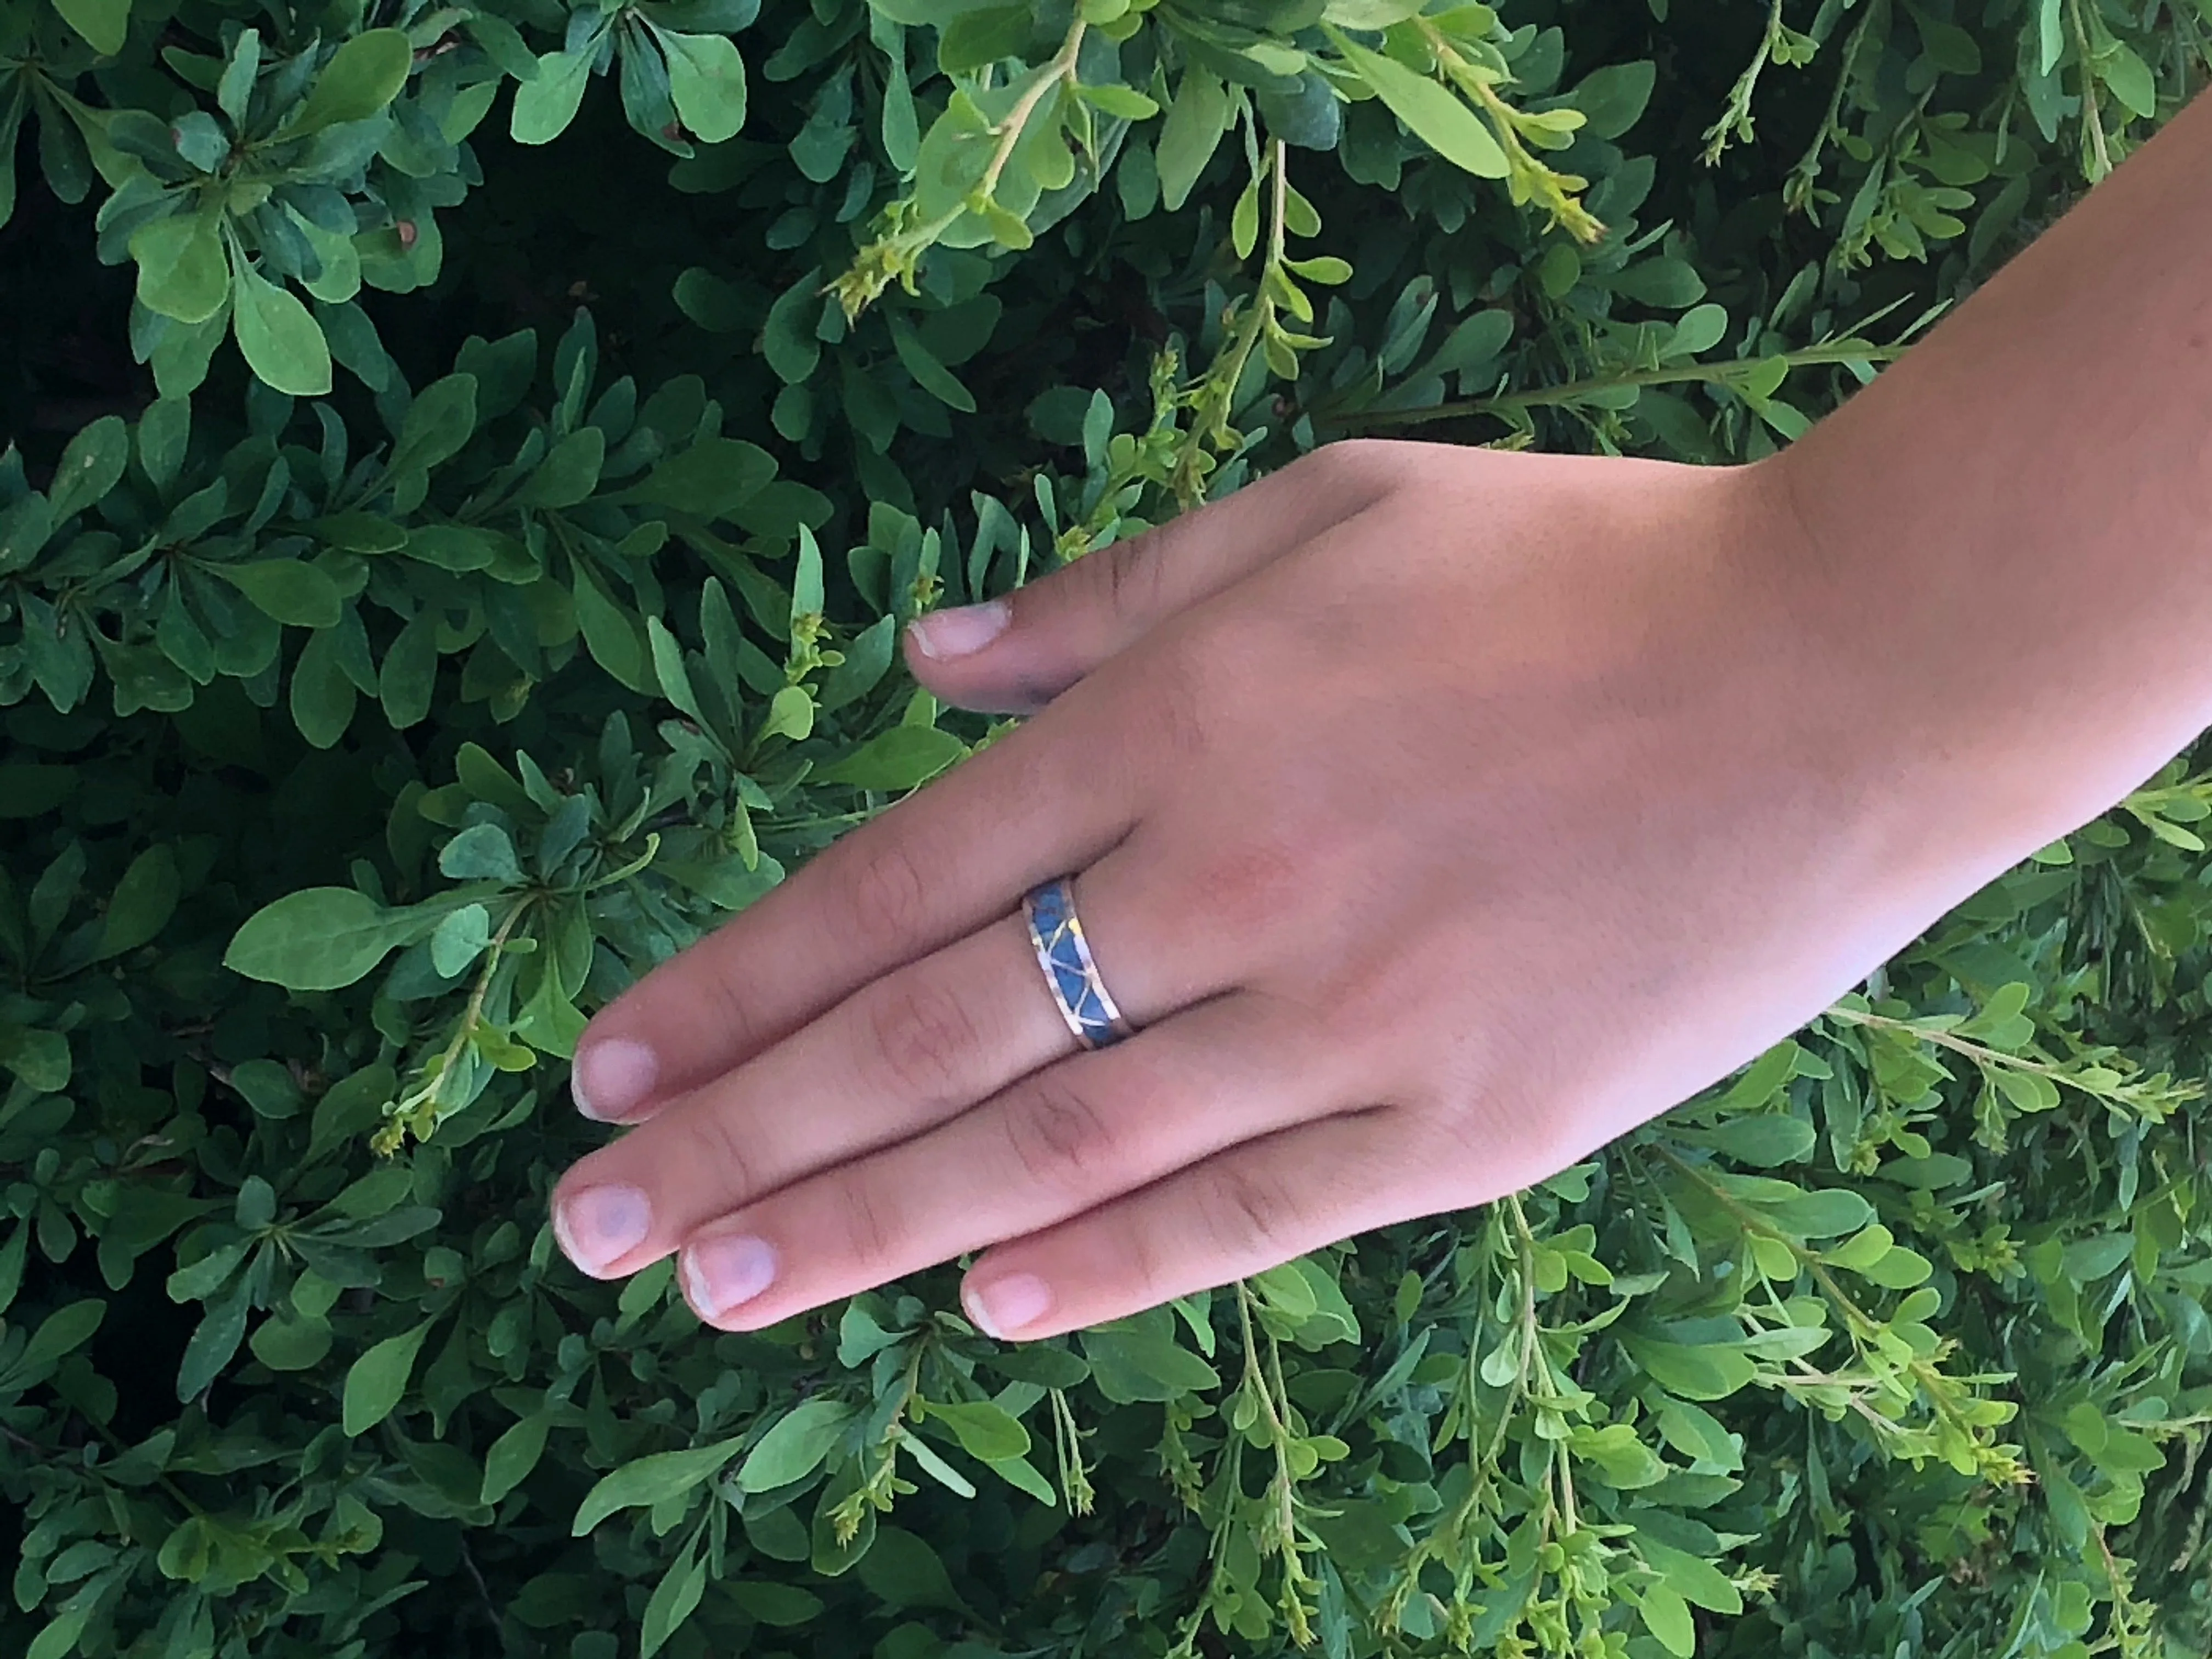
(1065,954)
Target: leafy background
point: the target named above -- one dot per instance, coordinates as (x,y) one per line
(467,468)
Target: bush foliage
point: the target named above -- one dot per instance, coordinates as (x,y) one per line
(469,465)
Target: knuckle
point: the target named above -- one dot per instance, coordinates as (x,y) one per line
(1060,1138)
(1249,890)
(1248,1213)
(867,1229)
(927,1043)
(1133,572)
(887,901)
(1352,462)
(733,1009)
(1176,730)
(716,1147)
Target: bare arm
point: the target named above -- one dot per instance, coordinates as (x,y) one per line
(2018,514)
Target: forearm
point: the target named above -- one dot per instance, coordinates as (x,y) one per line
(2013,523)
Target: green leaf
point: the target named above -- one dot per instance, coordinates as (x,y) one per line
(286,1342)
(1667,1616)
(611,633)
(706,83)
(788,338)
(1135,1359)
(1693,1578)
(481,853)
(235,91)
(1762,1138)
(213,1343)
(320,938)
(1820,1214)
(1371,16)
(375,1382)
(673,1599)
(984,1430)
(933,377)
(164,431)
(460,939)
(409,673)
(290,590)
(1431,112)
(901,1570)
(282,342)
(1124,101)
(901,758)
(182,271)
(514,1456)
(204,1277)
(651,1479)
(783,1605)
(1613,98)
(440,420)
(90,466)
(58,1639)
(2088,1259)
(60,1333)
(795,1446)
(545,106)
(669,669)
(1190,134)
(322,696)
(1695,1373)
(105,24)
(2120,67)
(708,480)
(1666,284)
(362,76)
(142,903)
(569,473)
(790,715)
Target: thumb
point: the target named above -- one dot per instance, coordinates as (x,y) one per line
(1014,654)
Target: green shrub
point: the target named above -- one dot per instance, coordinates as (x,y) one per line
(441,576)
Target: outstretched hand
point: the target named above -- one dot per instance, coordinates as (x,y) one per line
(1436,814)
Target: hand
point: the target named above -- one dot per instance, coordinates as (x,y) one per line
(1436,814)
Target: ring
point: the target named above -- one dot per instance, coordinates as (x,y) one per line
(1064,955)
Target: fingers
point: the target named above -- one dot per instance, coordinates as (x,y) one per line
(948,859)
(1057,1143)
(1241,1212)
(1058,629)
(896,1058)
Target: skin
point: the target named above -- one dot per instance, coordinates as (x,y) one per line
(1396,784)
(1438,815)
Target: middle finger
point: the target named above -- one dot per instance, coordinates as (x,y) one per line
(892,1060)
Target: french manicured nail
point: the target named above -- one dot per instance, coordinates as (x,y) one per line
(957,632)
(611,1078)
(718,1273)
(598,1223)
(1005,1305)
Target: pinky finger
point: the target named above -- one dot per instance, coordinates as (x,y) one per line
(1240,1212)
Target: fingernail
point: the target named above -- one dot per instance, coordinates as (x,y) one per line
(598,1223)
(718,1273)
(968,627)
(612,1077)
(1007,1305)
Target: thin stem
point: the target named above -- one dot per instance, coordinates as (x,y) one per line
(2090,114)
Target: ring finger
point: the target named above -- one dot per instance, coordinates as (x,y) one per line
(1053,1145)
(891,1061)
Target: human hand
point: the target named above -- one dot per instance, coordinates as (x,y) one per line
(1436,814)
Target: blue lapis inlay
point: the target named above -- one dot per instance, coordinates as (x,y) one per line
(1074,979)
